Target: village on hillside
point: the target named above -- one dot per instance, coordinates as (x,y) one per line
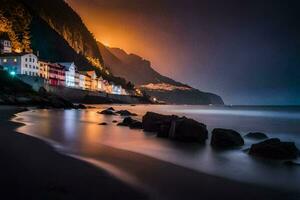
(58,74)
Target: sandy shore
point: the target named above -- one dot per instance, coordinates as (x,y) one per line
(31,169)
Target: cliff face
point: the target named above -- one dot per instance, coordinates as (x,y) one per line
(15,20)
(138,70)
(68,24)
(57,37)
(132,67)
(54,30)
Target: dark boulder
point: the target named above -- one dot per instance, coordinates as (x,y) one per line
(136,125)
(126,121)
(188,130)
(174,127)
(114,121)
(107,112)
(152,121)
(125,113)
(20,110)
(256,135)
(226,138)
(58,102)
(275,149)
(131,123)
(80,106)
(103,124)
(164,130)
(291,163)
(110,108)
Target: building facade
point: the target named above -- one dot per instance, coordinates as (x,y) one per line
(20,63)
(43,69)
(94,80)
(56,74)
(116,89)
(70,69)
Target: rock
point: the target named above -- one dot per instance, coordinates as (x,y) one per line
(114,121)
(81,106)
(125,113)
(108,112)
(136,125)
(22,110)
(174,127)
(256,135)
(23,100)
(42,91)
(58,102)
(188,130)
(275,149)
(291,163)
(126,122)
(164,130)
(152,121)
(110,108)
(226,138)
(131,123)
(103,124)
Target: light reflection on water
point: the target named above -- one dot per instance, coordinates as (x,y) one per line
(79,133)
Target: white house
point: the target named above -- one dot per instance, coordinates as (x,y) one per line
(70,73)
(20,63)
(116,89)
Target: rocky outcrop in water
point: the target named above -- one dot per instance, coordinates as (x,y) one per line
(275,149)
(226,138)
(109,111)
(131,123)
(174,127)
(125,113)
(256,136)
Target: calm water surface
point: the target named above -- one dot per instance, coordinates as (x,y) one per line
(78,133)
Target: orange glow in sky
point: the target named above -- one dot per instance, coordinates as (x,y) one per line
(131,30)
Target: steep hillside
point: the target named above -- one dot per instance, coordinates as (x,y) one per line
(65,21)
(139,71)
(123,64)
(54,30)
(29,32)
(54,48)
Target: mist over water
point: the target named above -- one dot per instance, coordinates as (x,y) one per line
(77,132)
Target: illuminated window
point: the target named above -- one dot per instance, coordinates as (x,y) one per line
(15,60)
(4,60)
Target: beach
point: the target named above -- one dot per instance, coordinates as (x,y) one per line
(32,169)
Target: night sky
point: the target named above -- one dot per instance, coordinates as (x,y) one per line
(246,51)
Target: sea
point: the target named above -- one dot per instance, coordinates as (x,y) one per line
(78,133)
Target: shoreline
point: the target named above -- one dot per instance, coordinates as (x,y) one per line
(32,169)
(173,181)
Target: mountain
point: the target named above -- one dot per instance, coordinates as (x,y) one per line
(138,70)
(68,24)
(54,31)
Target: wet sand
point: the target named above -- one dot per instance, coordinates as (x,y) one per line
(31,169)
